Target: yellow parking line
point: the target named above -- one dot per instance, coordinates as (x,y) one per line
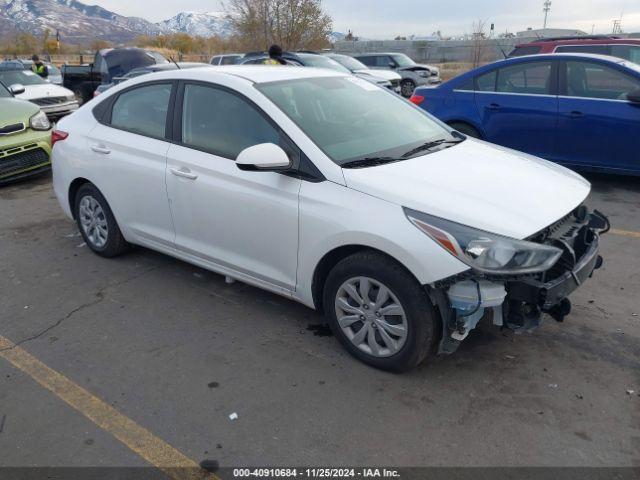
(155,451)
(626,233)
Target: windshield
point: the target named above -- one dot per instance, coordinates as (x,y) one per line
(349,62)
(403,61)
(351,119)
(122,61)
(23,77)
(53,70)
(322,62)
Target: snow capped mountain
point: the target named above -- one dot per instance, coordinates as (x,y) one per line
(199,24)
(76,21)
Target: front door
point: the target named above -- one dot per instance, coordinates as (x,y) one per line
(598,126)
(518,106)
(233,220)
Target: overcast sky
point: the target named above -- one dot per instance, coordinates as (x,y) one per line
(388,18)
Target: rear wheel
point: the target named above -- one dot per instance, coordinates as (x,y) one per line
(97,224)
(379,312)
(466,129)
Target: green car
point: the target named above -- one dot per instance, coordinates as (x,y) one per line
(25,137)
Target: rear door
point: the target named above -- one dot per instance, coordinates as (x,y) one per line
(598,126)
(518,106)
(129,149)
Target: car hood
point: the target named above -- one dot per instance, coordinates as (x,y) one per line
(15,111)
(381,74)
(480,185)
(41,91)
(419,67)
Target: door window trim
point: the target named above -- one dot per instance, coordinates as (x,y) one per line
(104,113)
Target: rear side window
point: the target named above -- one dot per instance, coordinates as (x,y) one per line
(522,51)
(229,60)
(143,110)
(628,52)
(526,78)
(596,49)
(368,61)
(593,80)
(222,123)
(215,61)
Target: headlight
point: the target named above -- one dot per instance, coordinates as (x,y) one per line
(424,73)
(71,98)
(40,122)
(483,251)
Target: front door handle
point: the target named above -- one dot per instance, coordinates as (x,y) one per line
(184,173)
(101,149)
(493,106)
(575,114)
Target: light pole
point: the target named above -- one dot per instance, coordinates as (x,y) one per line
(547,9)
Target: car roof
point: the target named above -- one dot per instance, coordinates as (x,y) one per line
(556,56)
(253,73)
(589,40)
(376,54)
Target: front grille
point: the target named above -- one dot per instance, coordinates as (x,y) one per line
(9,129)
(49,101)
(21,159)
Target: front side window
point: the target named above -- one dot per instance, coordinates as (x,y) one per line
(351,119)
(525,78)
(403,61)
(383,61)
(222,123)
(628,52)
(4,93)
(143,110)
(593,80)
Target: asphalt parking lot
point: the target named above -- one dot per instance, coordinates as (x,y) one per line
(176,351)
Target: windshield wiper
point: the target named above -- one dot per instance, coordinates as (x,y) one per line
(430,145)
(370,162)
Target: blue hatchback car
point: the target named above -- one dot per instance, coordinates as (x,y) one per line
(579,110)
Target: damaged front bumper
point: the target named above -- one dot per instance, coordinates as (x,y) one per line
(519,303)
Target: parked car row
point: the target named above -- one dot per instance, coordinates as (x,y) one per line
(396,71)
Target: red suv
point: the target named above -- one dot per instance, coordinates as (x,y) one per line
(627,48)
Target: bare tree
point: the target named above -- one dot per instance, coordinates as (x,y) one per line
(294,24)
(478,44)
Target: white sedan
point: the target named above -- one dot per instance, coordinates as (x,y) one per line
(335,193)
(54,100)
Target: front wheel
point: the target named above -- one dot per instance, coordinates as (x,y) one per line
(407,88)
(379,312)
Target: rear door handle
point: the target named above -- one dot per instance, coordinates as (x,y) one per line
(101,149)
(575,114)
(493,106)
(184,173)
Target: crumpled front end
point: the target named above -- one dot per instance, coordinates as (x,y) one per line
(519,302)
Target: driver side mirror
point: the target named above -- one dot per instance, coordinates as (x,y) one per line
(392,65)
(634,97)
(17,89)
(266,157)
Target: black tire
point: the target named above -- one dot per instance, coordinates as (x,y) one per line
(407,88)
(422,327)
(466,129)
(115,243)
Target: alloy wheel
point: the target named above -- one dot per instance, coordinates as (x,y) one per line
(93,221)
(371,317)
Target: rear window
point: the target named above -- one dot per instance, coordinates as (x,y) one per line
(595,49)
(528,50)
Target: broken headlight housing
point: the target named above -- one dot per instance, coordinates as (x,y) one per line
(483,251)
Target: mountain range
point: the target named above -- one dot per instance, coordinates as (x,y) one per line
(79,23)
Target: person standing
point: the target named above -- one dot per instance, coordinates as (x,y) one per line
(39,68)
(275,56)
